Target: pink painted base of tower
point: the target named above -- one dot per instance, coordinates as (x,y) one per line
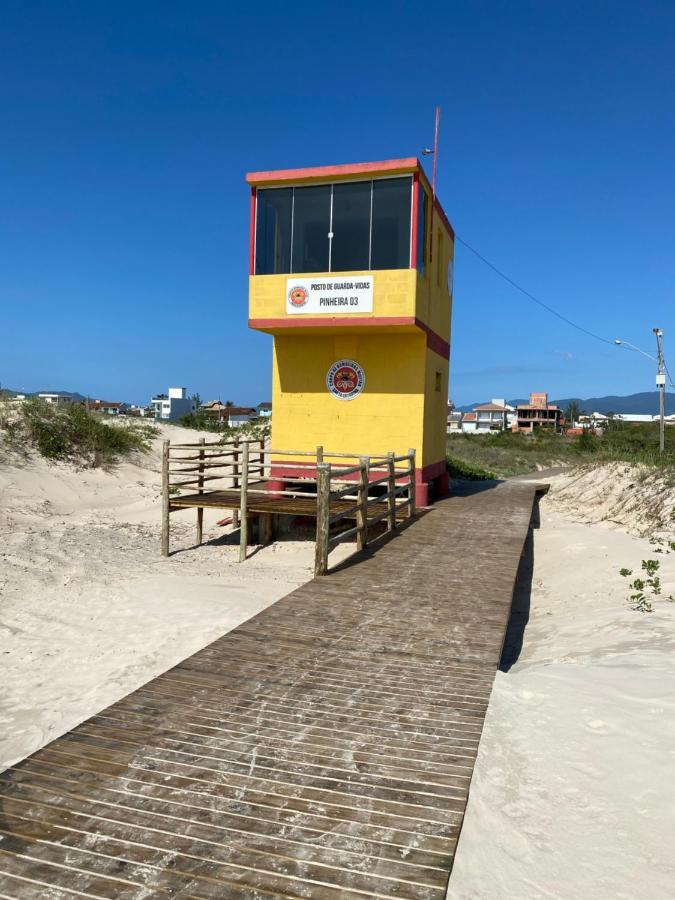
(276,487)
(431,482)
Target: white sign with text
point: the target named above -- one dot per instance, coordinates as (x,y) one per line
(336,295)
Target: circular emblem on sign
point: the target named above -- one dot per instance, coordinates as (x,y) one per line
(298,296)
(345,379)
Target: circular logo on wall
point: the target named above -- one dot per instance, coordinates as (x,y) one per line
(345,379)
(298,296)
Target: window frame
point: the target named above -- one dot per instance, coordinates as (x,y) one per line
(254,225)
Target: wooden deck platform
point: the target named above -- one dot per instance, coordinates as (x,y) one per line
(267,503)
(324,749)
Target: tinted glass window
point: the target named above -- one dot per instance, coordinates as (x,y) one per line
(422,230)
(351,226)
(311,224)
(273,231)
(391,224)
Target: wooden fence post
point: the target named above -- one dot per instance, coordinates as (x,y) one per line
(165,498)
(413,490)
(235,484)
(200,490)
(322,517)
(391,492)
(243,528)
(362,512)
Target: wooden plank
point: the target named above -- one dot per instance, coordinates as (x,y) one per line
(165,499)
(322,518)
(200,509)
(362,512)
(323,749)
(243,505)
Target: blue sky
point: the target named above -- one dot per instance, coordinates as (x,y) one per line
(127,129)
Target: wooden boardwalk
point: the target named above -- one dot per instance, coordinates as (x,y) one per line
(323,749)
(281,504)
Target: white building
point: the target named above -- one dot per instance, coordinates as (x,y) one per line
(172,406)
(56,398)
(493,416)
(264,410)
(469,422)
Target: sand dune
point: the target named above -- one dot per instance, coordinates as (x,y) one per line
(89,610)
(573,794)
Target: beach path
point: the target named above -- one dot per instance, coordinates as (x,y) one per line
(323,749)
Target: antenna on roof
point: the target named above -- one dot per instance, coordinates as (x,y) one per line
(428,152)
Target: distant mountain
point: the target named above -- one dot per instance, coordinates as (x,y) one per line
(8,392)
(74,394)
(646,402)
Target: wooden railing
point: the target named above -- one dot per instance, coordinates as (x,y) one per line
(360,483)
(386,481)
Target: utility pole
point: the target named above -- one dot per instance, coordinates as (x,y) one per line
(661,385)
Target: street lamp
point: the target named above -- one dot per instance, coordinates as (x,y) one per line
(660,379)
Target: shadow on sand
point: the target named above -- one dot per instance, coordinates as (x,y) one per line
(522,593)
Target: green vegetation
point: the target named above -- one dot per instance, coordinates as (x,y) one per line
(202,422)
(70,433)
(459,468)
(257,429)
(503,454)
(646,589)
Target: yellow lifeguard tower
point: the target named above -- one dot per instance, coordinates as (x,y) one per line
(351,272)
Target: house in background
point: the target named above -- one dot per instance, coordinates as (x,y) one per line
(172,406)
(104,406)
(538,413)
(240,415)
(264,410)
(493,416)
(216,409)
(56,398)
(469,422)
(454,422)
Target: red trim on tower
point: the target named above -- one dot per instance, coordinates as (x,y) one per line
(435,472)
(428,473)
(409,164)
(434,341)
(415,214)
(308,470)
(331,321)
(251,236)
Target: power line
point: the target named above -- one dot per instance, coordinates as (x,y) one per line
(531,296)
(541,303)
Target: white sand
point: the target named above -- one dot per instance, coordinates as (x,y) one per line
(574,790)
(89,610)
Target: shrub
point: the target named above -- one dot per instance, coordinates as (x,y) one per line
(459,468)
(71,433)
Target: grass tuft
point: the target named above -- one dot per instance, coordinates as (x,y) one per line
(70,433)
(507,453)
